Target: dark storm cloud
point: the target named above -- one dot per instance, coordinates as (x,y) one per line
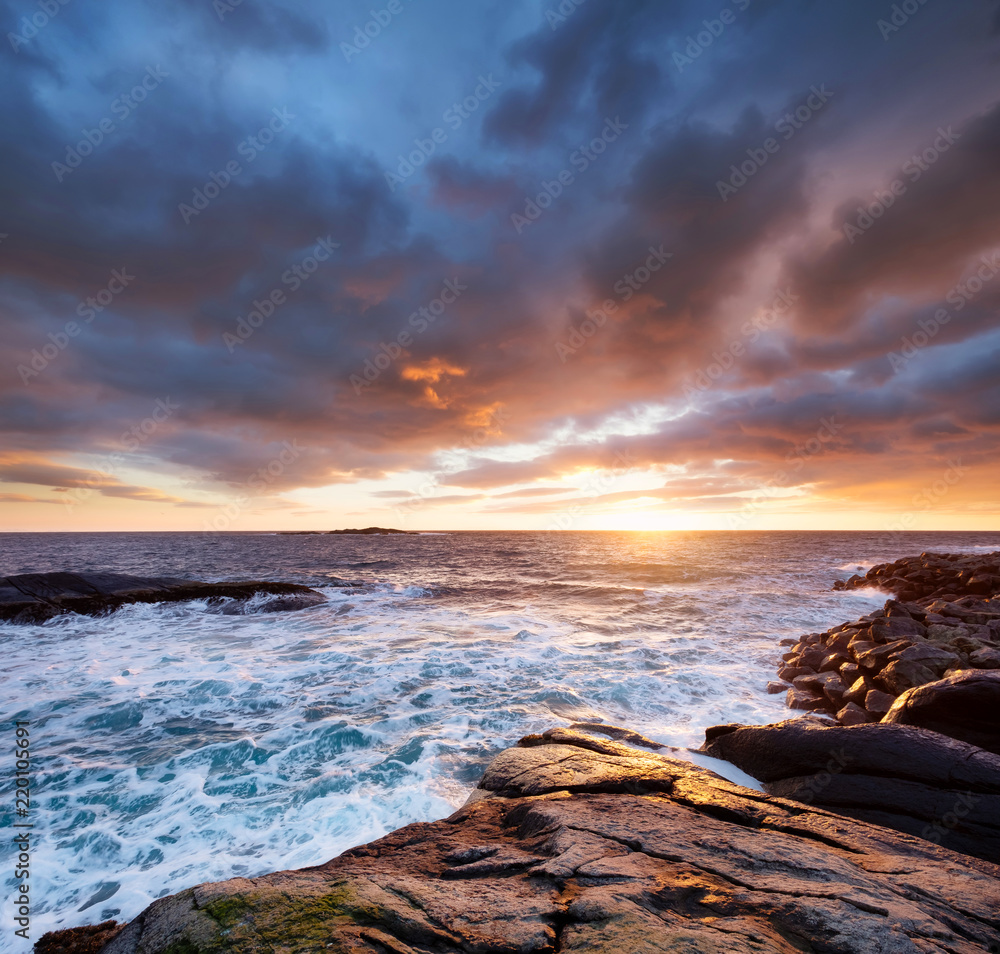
(588,61)
(486,371)
(273,28)
(948,184)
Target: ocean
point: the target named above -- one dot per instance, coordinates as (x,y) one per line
(176,744)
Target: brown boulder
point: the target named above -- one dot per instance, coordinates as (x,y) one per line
(902,674)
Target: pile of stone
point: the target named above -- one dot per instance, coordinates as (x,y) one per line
(945,620)
(858,670)
(943,576)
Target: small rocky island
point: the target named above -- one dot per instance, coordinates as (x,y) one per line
(368,531)
(878,835)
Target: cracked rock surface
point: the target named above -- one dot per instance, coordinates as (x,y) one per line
(575,843)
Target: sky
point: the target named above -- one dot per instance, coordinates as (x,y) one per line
(510,264)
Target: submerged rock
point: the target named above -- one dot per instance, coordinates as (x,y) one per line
(36,597)
(574,843)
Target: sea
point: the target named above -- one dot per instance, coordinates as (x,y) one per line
(179,743)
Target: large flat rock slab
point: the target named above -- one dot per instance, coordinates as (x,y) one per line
(573,843)
(36,597)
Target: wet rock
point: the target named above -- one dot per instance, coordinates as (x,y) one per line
(896,627)
(934,575)
(861,645)
(985,658)
(852,714)
(811,659)
(36,597)
(878,657)
(817,681)
(964,706)
(773,688)
(833,662)
(933,657)
(908,779)
(849,673)
(903,674)
(858,690)
(790,673)
(547,857)
(807,699)
(878,702)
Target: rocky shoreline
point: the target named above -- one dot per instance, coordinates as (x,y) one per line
(878,836)
(573,842)
(933,576)
(945,619)
(36,597)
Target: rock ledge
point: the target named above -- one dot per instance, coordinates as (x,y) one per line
(36,597)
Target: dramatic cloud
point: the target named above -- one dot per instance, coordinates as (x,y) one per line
(737,263)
